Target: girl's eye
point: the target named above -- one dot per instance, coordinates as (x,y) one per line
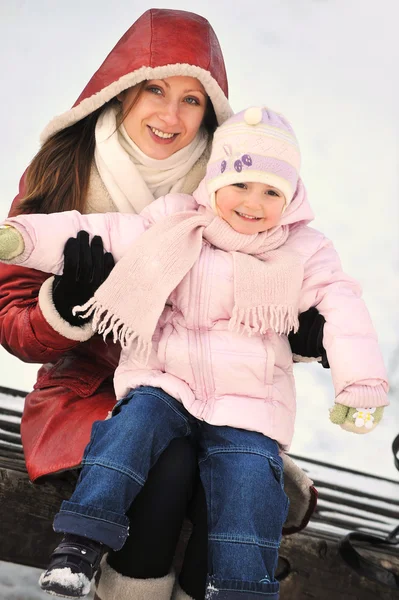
(192,100)
(273,193)
(240,185)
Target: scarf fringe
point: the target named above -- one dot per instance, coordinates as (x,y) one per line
(250,321)
(105,323)
(258,319)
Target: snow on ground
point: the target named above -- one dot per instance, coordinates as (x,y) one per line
(20,583)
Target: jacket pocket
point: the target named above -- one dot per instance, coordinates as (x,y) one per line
(239,364)
(81,374)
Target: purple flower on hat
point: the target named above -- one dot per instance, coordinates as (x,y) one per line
(247,160)
(238,166)
(223,166)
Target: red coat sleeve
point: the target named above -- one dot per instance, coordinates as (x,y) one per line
(24,331)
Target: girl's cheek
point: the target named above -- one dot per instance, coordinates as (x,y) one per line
(218,211)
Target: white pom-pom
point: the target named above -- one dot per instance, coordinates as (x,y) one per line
(253,116)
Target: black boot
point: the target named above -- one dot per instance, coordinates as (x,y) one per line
(73,565)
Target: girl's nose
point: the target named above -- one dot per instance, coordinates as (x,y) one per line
(254,202)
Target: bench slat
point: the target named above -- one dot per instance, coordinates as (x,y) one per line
(14,438)
(10,412)
(13,463)
(10,426)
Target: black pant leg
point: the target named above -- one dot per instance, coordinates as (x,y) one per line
(192,578)
(157,514)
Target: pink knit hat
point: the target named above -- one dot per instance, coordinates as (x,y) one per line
(255,145)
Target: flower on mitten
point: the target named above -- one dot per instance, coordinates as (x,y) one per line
(11,243)
(356,420)
(364,416)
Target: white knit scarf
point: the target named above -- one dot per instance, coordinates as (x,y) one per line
(132,179)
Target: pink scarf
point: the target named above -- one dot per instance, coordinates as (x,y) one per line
(267,279)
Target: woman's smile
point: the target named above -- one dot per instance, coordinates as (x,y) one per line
(161,137)
(166,116)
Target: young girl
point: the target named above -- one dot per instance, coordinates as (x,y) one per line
(202,302)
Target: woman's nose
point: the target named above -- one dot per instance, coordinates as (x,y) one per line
(170,113)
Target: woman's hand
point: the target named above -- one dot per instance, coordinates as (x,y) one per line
(86,267)
(308,340)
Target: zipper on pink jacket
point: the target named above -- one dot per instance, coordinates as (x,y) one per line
(203,293)
(270,362)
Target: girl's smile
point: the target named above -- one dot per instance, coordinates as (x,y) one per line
(247,217)
(250,207)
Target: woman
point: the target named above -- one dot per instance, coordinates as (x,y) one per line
(141,128)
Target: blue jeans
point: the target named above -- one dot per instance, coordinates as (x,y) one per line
(241,472)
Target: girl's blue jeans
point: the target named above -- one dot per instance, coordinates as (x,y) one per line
(241,472)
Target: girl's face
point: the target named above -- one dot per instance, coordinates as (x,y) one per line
(166,116)
(250,208)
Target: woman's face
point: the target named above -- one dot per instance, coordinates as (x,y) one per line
(167,115)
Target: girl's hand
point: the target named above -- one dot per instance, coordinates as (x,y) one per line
(11,242)
(356,420)
(86,267)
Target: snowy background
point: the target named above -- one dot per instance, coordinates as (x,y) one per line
(331,67)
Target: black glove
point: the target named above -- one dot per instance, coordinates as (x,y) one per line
(308,341)
(86,267)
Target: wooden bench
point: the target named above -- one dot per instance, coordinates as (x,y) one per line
(348,500)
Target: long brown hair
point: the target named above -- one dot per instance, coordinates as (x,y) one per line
(58,177)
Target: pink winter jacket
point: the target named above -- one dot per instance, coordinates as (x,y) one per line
(220,376)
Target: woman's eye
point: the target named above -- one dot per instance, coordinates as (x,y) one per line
(155,90)
(191,100)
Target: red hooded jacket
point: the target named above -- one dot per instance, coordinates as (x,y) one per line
(74,386)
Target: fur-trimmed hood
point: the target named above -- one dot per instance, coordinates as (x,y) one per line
(161,43)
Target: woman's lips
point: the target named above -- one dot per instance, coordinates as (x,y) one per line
(160,140)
